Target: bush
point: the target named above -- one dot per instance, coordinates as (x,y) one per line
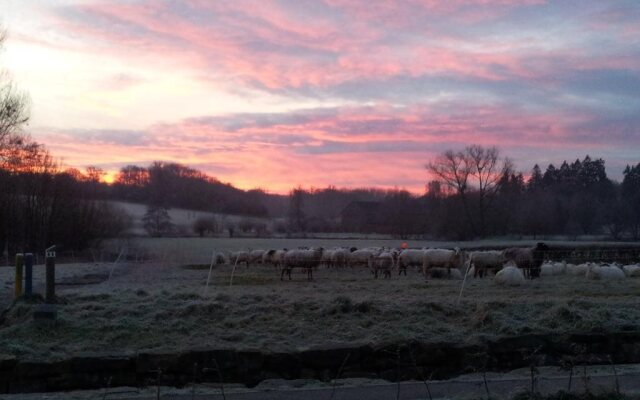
(205,225)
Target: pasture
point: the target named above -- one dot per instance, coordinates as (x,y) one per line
(164,305)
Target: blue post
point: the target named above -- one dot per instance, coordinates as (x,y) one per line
(28,274)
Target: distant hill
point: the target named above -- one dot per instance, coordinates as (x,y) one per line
(173,185)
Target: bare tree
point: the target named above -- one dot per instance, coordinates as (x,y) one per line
(453,170)
(297,217)
(14,114)
(475,170)
(487,169)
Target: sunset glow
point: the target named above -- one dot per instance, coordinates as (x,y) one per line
(275,94)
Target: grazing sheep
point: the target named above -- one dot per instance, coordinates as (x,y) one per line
(605,273)
(361,257)
(220,259)
(395,254)
(278,257)
(410,258)
(632,271)
(485,261)
(305,259)
(255,257)
(553,269)
(529,259)
(273,257)
(239,257)
(510,275)
(382,262)
(339,257)
(267,257)
(327,255)
(578,270)
(443,258)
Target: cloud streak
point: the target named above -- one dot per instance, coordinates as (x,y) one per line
(278,93)
(361,146)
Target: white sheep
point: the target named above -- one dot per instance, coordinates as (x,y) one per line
(305,259)
(410,258)
(443,258)
(510,275)
(339,257)
(382,262)
(255,257)
(553,268)
(607,273)
(273,257)
(360,258)
(632,271)
(327,256)
(485,261)
(278,257)
(239,257)
(578,270)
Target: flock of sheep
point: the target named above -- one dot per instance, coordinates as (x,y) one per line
(511,266)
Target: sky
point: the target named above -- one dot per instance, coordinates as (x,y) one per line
(273,94)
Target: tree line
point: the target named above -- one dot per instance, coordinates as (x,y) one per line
(476,193)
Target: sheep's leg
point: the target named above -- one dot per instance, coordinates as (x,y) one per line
(282,274)
(425,269)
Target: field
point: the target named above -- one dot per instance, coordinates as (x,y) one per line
(165,306)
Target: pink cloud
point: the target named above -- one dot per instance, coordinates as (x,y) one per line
(351,147)
(271,45)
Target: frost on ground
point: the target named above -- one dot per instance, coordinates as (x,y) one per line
(148,307)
